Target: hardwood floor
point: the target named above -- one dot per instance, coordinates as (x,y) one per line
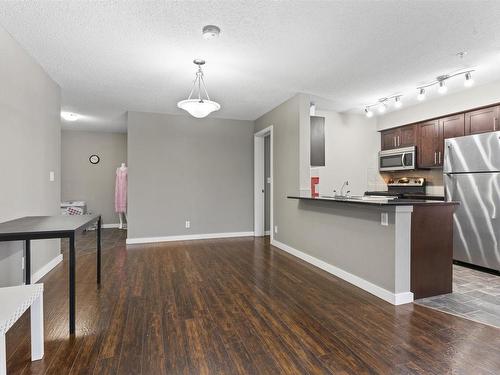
(236,306)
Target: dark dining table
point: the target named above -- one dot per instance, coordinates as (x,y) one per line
(30,228)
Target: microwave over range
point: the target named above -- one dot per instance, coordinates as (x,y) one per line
(398,159)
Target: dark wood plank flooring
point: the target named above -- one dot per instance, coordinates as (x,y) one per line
(236,306)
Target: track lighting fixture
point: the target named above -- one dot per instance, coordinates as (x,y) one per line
(421,94)
(381,104)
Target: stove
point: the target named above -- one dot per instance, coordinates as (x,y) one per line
(402,188)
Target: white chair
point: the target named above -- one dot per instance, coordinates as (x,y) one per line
(14,301)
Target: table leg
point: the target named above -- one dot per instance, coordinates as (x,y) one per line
(27,262)
(99,251)
(3,356)
(36,312)
(72,284)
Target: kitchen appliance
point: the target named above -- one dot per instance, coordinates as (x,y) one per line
(404,187)
(398,159)
(472,177)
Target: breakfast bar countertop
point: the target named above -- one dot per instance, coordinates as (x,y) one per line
(378,201)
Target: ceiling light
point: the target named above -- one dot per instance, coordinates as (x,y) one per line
(397,102)
(468,80)
(368,112)
(199,107)
(70,116)
(210,32)
(442,87)
(421,94)
(382,107)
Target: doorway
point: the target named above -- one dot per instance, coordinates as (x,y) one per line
(263,182)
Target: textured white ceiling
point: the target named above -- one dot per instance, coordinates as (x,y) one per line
(113,56)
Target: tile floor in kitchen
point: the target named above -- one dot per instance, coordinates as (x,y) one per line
(476,296)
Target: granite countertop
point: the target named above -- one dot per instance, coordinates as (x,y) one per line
(382,201)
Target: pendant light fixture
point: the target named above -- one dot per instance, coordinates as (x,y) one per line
(199,107)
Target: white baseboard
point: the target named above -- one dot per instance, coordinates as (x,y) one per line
(107,226)
(267,233)
(394,298)
(187,237)
(46,269)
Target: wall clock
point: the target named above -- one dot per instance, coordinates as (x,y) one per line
(94,159)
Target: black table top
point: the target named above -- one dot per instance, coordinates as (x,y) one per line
(45,225)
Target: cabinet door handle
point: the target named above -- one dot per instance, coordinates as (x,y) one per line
(439,157)
(435,157)
(395,143)
(495,124)
(399,143)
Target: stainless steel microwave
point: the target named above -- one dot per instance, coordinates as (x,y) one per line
(398,159)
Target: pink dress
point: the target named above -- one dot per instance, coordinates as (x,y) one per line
(121,190)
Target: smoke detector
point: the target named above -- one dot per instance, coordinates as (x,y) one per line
(210,32)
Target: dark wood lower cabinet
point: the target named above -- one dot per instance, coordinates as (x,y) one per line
(431,250)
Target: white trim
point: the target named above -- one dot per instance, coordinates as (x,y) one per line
(46,268)
(267,233)
(107,226)
(395,299)
(259,171)
(187,237)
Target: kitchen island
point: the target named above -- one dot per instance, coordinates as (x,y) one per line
(397,249)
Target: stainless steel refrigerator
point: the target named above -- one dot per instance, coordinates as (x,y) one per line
(472,177)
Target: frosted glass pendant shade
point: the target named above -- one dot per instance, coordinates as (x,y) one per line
(198,108)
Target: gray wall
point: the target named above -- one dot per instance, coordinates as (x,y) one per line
(82,180)
(30,131)
(181,168)
(327,231)
(267,186)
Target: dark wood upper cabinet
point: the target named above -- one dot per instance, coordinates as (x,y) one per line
(428,143)
(389,139)
(405,136)
(431,139)
(408,136)
(482,120)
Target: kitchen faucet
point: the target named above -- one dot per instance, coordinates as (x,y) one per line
(346,183)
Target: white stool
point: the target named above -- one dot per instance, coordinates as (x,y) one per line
(14,301)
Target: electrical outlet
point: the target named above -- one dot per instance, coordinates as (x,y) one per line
(188,224)
(384,219)
(22,263)
(276,229)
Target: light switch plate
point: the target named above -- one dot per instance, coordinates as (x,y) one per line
(52,176)
(384,219)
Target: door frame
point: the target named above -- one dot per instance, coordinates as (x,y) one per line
(259,183)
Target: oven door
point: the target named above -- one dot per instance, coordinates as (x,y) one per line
(397,160)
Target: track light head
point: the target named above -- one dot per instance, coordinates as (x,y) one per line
(442,87)
(397,102)
(468,80)
(382,107)
(368,112)
(421,94)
